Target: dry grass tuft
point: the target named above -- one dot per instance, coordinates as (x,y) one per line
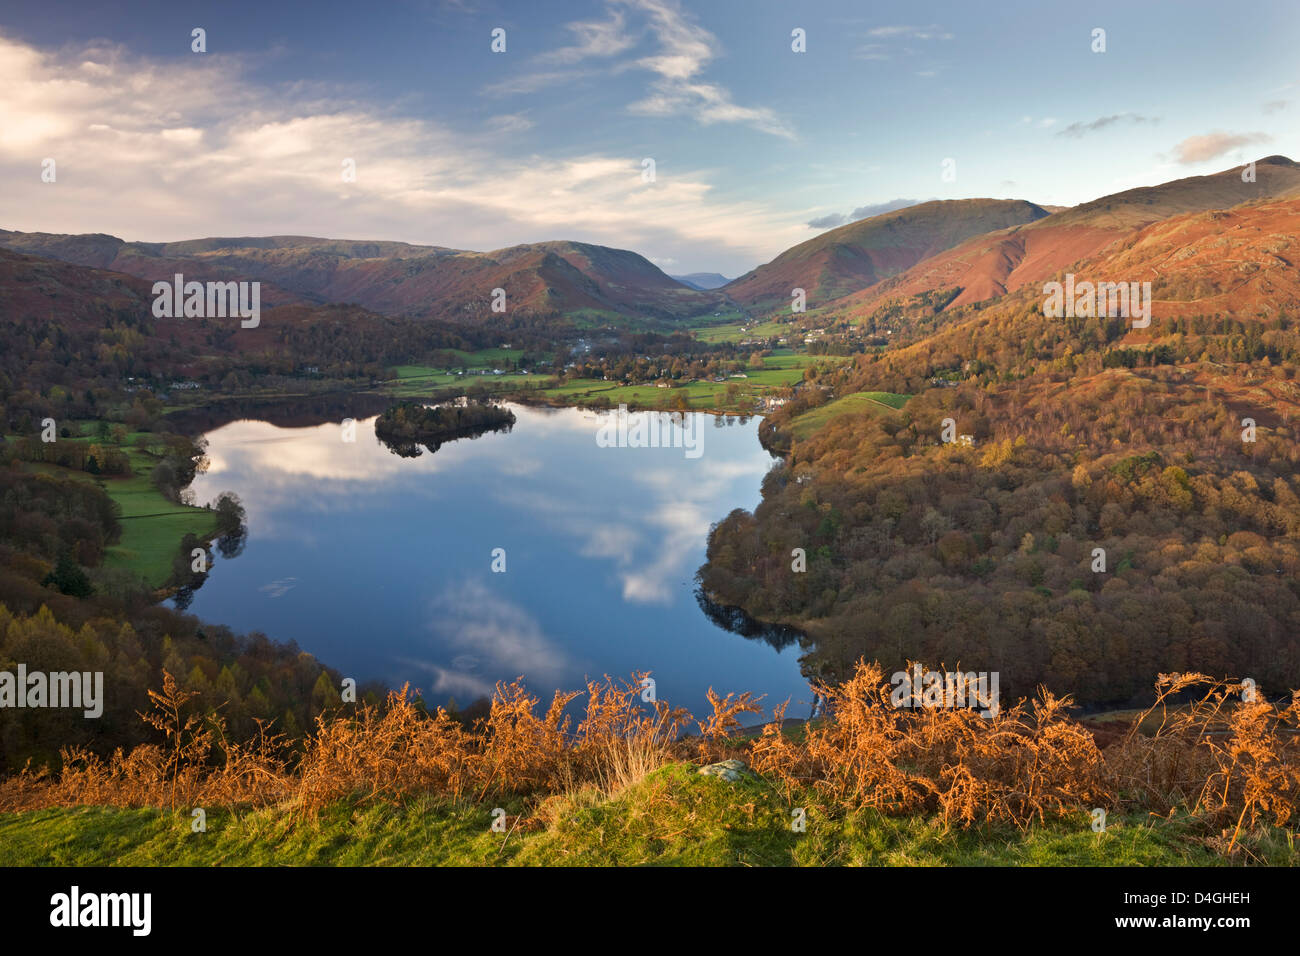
(1022,764)
(1230,760)
(1229,763)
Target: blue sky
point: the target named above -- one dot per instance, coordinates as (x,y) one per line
(456,145)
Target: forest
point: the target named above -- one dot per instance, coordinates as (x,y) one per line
(1125,508)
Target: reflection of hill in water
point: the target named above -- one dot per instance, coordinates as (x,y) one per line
(281,412)
(735,619)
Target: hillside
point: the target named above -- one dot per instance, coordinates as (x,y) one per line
(399,279)
(32,287)
(1239,262)
(991,265)
(857,255)
(1236,263)
(1170,448)
(60,316)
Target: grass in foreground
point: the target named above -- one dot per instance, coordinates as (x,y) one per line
(673,817)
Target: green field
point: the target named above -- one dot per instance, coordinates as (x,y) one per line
(483,358)
(782,369)
(151,539)
(811,421)
(674,817)
(152,526)
(731,331)
(411,381)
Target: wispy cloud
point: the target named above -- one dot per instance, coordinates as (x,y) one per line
(932,32)
(1199,149)
(831,220)
(594,38)
(532,82)
(1275,106)
(130,134)
(685,49)
(682,51)
(511,123)
(888,42)
(1078,130)
(872,51)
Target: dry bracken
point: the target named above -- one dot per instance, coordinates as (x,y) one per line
(1205,747)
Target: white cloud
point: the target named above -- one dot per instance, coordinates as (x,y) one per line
(683,51)
(595,38)
(872,51)
(889,42)
(532,82)
(932,32)
(1200,149)
(167,150)
(511,123)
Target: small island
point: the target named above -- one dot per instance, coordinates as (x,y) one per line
(407,425)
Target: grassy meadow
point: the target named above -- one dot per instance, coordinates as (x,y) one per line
(152,526)
(673,817)
(783,369)
(811,421)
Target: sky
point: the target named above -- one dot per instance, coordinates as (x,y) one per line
(753,146)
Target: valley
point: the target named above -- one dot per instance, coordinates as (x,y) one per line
(928,464)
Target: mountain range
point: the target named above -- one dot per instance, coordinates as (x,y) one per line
(399,279)
(1001,261)
(971,249)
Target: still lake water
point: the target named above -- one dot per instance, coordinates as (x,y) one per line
(381,566)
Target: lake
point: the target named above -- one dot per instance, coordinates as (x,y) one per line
(382,566)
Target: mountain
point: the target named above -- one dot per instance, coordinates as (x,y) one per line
(862,253)
(1224,290)
(399,279)
(949,253)
(1168,450)
(1205,269)
(703,281)
(65,323)
(37,289)
(991,265)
